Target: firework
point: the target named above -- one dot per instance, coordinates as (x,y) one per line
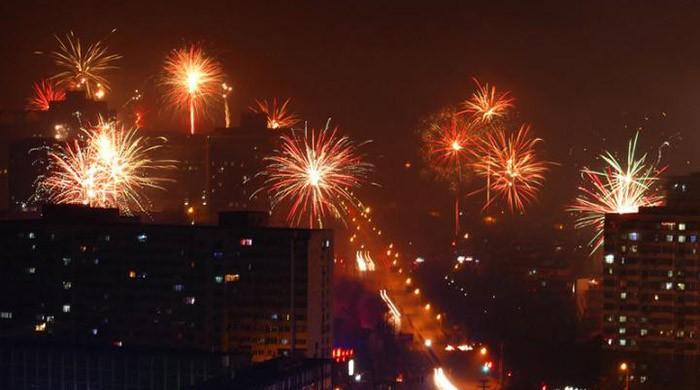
(45,92)
(107,166)
(83,68)
(486,104)
(510,164)
(619,188)
(314,171)
(191,79)
(278,116)
(225,91)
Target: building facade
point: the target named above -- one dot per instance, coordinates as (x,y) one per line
(89,276)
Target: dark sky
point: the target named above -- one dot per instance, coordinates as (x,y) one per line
(585,74)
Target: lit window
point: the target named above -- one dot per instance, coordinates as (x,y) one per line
(623,295)
(681,226)
(219,279)
(94,331)
(681,238)
(609,258)
(67,285)
(669,238)
(142,237)
(189,300)
(622,330)
(66,308)
(327,243)
(670,274)
(178,287)
(132,274)
(31,270)
(669,285)
(656,297)
(693,238)
(231,278)
(681,286)
(634,236)
(6,315)
(246,242)
(66,260)
(623,318)
(40,327)
(32,236)
(643,332)
(623,342)
(610,341)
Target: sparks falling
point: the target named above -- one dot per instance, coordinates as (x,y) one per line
(510,164)
(314,172)
(619,188)
(44,92)
(107,166)
(486,104)
(192,80)
(278,116)
(83,68)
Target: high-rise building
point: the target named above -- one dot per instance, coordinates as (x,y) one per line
(651,286)
(89,276)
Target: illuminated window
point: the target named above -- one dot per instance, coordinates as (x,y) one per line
(327,243)
(178,287)
(609,259)
(622,330)
(643,332)
(6,315)
(623,318)
(94,331)
(681,238)
(623,295)
(189,300)
(67,285)
(681,286)
(681,226)
(231,278)
(693,238)
(246,242)
(66,308)
(40,327)
(634,236)
(669,238)
(142,237)
(66,260)
(31,270)
(669,285)
(623,342)
(32,236)
(219,279)
(132,274)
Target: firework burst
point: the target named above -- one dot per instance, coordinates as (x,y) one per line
(620,188)
(510,165)
(83,68)
(314,172)
(44,92)
(278,116)
(486,104)
(192,80)
(107,166)
(447,139)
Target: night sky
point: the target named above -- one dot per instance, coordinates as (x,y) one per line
(584,76)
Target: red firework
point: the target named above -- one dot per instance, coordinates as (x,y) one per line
(44,92)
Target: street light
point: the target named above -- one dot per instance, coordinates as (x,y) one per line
(624,368)
(483,351)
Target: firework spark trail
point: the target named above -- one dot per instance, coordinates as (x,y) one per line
(616,189)
(516,175)
(486,104)
(314,173)
(191,80)
(44,92)
(108,167)
(278,116)
(83,67)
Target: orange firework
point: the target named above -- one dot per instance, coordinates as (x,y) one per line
(511,167)
(486,104)
(45,92)
(108,166)
(278,116)
(314,173)
(191,80)
(83,67)
(446,139)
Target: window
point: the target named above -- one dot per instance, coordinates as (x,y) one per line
(66,261)
(178,287)
(67,285)
(327,243)
(232,278)
(609,259)
(681,226)
(693,238)
(669,285)
(189,300)
(622,330)
(681,286)
(66,308)
(623,295)
(6,315)
(31,270)
(142,237)
(623,342)
(643,332)
(633,236)
(623,318)
(681,238)
(219,279)
(669,238)
(94,331)
(246,242)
